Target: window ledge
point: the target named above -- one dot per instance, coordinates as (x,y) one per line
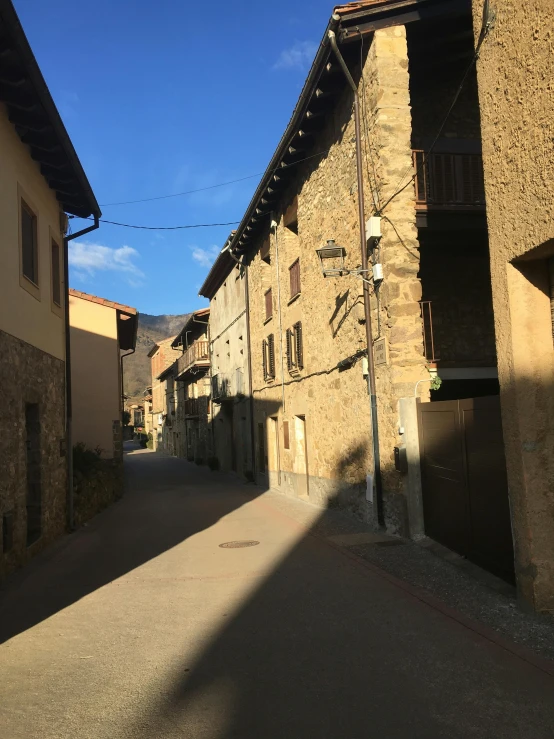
(294,297)
(267,320)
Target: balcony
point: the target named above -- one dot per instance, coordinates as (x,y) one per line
(448,181)
(192,407)
(197,355)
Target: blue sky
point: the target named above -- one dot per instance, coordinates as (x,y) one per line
(161,97)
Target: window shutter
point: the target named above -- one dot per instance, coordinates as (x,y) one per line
(268,304)
(271,357)
(264,357)
(298,345)
(294,273)
(290,363)
(286,440)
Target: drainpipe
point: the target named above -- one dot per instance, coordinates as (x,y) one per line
(367,307)
(68,404)
(274,228)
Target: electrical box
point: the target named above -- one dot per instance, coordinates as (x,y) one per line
(400,459)
(373,227)
(377,273)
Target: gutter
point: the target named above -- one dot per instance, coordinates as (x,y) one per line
(372,391)
(68,403)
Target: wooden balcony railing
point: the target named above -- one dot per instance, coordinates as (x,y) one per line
(191,407)
(197,353)
(449,181)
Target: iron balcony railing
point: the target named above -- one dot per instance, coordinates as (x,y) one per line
(197,353)
(191,407)
(449,181)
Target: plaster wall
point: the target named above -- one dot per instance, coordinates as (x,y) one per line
(28,314)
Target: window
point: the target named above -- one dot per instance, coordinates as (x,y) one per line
(286,438)
(290,217)
(29,245)
(294,272)
(268,355)
(56,276)
(268,304)
(295,350)
(265,251)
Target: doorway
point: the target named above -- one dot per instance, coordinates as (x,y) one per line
(274,460)
(300,459)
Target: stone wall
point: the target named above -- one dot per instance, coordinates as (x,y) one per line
(327,410)
(517,117)
(30,376)
(96,489)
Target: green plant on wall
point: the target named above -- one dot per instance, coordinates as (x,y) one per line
(436,382)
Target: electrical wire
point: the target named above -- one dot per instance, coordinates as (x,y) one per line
(212,187)
(163,228)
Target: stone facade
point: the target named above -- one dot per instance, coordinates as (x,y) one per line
(31,379)
(327,410)
(517,117)
(232,437)
(162,356)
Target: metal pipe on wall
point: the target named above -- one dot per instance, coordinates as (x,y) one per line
(367,306)
(68,404)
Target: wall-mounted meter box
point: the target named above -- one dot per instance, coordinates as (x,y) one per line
(373,227)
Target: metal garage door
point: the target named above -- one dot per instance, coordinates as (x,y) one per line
(465,490)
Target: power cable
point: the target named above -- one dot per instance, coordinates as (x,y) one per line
(212,187)
(485,28)
(163,228)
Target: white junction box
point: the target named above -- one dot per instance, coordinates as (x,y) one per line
(373,227)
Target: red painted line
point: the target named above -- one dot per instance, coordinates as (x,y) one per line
(423,596)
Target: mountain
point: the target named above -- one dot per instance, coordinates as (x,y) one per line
(136,368)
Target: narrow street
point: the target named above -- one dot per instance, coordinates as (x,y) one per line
(141,625)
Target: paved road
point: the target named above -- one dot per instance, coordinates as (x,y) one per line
(140,626)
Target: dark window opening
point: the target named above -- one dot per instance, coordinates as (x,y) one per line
(265,251)
(290,217)
(294,348)
(268,354)
(34,491)
(29,245)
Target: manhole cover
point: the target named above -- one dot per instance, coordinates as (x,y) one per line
(238,544)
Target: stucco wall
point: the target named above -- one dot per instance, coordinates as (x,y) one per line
(517,118)
(28,317)
(95,374)
(336,404)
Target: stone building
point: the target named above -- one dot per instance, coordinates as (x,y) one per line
(225,287)
(514,73)
(100,330)
(189,390)
(162,356)
(41,179)
(299,241)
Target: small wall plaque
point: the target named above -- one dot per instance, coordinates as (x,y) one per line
(380,351)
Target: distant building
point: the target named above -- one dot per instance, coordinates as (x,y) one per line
(226,288)
(189,391)
(162,356)
(41,179)
(100,331)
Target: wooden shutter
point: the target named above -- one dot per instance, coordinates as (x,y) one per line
(298,345)
(264,357)
(271,355)
(286,439)
(290,362)
(294,272)
(268,304)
